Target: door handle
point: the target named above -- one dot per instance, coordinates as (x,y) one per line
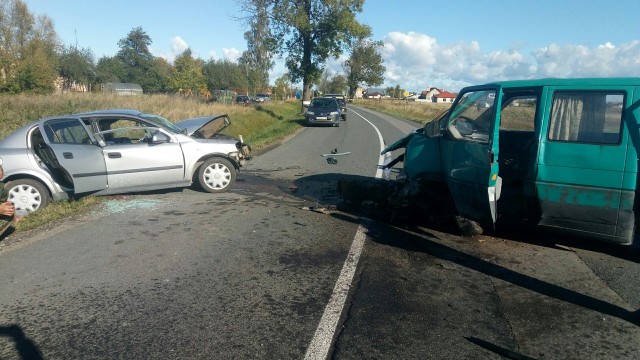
(67,155)
(114,155)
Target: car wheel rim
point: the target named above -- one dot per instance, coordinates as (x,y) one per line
(217,176)
(25,197)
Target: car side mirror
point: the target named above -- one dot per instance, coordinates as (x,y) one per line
(159,138)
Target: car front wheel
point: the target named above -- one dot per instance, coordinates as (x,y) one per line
(216,175)
(27,194)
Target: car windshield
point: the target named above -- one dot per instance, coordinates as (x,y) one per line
(323,103)
(162,122)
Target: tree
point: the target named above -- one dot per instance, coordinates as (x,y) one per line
(337,85)
(77,66)
(187,77)
(257,60)
(308,32)
(27,49)
(137,60)
(224,75)
(283,87)
(364,66)
(110,69)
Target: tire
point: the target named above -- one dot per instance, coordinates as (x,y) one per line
(216,175)
(467,227)
(27,194)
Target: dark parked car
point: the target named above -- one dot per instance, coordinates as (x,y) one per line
(323,110)
(243,100)
(342,101)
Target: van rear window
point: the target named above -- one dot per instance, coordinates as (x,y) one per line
(586,116)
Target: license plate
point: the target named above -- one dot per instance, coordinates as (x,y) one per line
(321,118)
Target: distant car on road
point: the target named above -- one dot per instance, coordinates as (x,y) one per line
(117,151)
(342,101)
(262,98)
(243,100)
(323,110)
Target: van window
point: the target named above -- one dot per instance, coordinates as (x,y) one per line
(519,113)
(472,118)
(586,116)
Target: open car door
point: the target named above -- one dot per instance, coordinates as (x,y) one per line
(76,153)
(470,153)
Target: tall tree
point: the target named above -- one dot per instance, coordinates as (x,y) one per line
(257,59)
(224,75)
(138,61)
(187,77)
(308,32)
(283,87)
(27,49)
(364,65)
(77,66)
(110,69)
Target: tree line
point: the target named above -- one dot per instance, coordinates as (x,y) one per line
(306,33)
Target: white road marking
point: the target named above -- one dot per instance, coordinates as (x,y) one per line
(325,332)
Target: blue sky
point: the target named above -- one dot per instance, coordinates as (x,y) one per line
(448,44)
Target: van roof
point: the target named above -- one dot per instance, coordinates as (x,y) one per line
(581,82)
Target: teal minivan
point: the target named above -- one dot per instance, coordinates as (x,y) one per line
(560,153)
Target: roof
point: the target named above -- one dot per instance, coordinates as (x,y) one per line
(446,95)
(581,82)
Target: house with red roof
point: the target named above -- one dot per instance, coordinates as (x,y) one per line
(444,97)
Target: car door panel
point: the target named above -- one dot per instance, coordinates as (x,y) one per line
(144,165)
(83,161)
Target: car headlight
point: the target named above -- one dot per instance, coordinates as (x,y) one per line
(334,113)
(310,113)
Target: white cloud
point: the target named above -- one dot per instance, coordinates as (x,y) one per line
(178,45)
(231,54)
(415,61)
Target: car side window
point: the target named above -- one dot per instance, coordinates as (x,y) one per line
(586,116)
(66,131)
(124,131)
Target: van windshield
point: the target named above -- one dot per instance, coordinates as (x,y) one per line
(471,119)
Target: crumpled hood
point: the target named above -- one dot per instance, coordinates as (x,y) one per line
(204,127)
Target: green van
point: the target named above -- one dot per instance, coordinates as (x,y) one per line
(560,153)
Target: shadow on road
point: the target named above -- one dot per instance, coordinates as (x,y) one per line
(404,239)
(24,346)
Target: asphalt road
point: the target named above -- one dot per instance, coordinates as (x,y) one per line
(249,275)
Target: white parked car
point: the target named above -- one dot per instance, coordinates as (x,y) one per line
(117,151)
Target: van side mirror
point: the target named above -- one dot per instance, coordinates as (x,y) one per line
(432,129)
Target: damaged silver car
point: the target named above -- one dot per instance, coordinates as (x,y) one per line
(117,151)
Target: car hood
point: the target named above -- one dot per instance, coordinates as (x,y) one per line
(204,127)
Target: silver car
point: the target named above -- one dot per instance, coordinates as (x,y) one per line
(117,151)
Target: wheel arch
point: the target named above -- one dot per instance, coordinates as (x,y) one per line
(45,183)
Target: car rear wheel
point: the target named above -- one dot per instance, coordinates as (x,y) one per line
(27,194)
(216,175)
